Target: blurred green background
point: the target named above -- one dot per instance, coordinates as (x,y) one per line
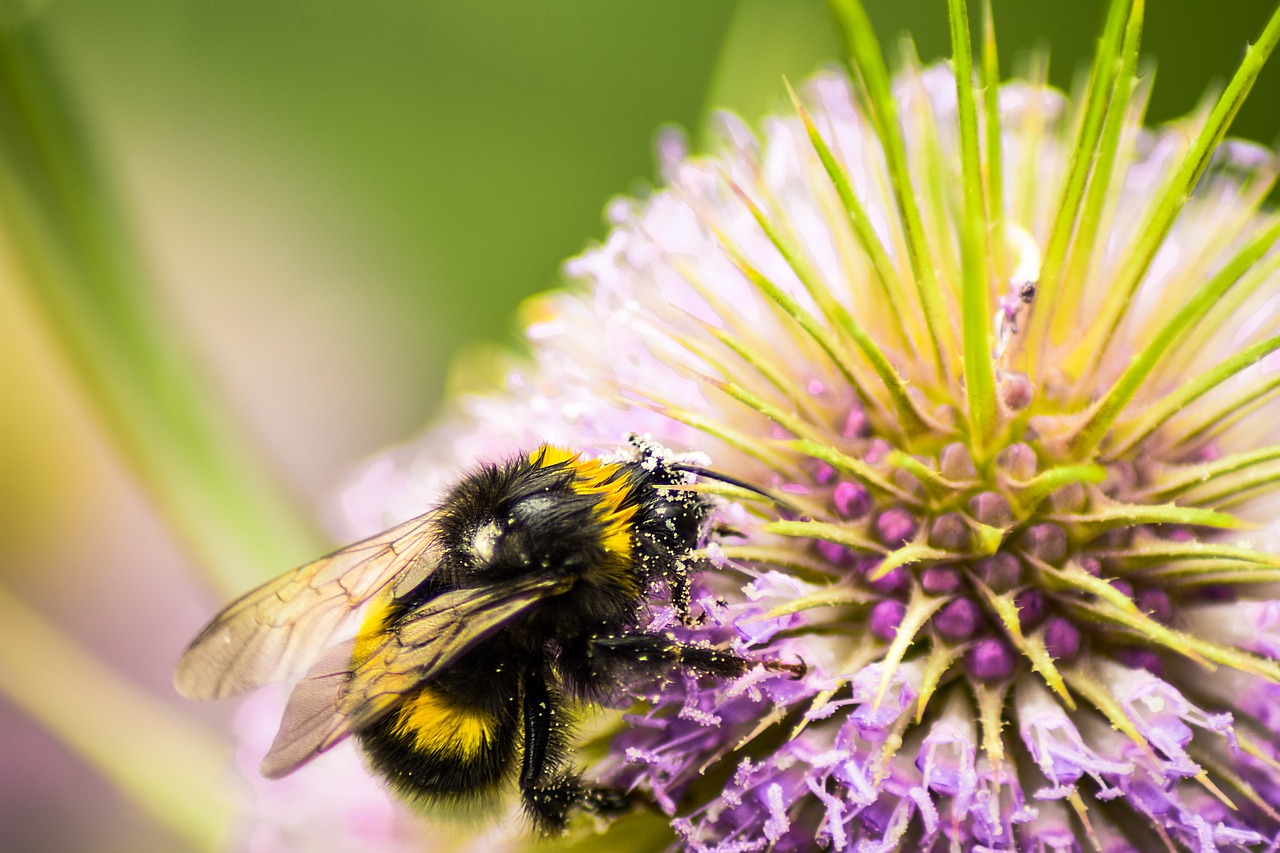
(331,200)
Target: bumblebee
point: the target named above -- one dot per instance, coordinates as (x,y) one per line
(484,622)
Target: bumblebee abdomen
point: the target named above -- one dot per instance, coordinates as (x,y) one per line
(438,746)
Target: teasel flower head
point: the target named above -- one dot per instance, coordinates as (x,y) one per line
(1006,364)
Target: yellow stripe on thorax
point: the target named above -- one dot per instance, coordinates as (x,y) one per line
(610,486)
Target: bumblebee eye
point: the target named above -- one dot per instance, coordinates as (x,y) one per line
(500,545)
(485,542)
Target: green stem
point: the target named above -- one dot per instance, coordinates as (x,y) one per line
(868,62)
(1186,478)
(910,420)
(890,284)
(1083,156)
(83,276)
(1176,194)
(1112,406)
(1099,190)
(1158,413)
(975,227)
(991,116)
(1224,414)
(161,760)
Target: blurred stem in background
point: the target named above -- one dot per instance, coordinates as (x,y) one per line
(167,764)
(83,275)
(70,248)
(767,40)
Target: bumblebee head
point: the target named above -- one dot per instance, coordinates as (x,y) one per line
(537,516)
(552,532)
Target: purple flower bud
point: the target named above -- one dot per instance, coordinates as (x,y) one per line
(852,500)
(989,660)
(816,387)
(1016,391)
(886,616)
(1030,604)
(1019,461)
(835,554)
(1208,453)
(949,532)
(940,579)
(877,449)
(991,509)
(1136,658)
(892,582)
(822,473)
(1001,571)
(855,424)
(1047,542)
(896,527)
(1061,639)
(1124,587)
(1113,539)
(1155,602)
(1217,592)
(908,482)
(1091,565)
(958,619)
(956,463)
(1069,498)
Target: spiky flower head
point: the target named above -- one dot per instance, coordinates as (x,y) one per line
(1006,362)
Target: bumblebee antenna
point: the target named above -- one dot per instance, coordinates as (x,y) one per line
(781,503)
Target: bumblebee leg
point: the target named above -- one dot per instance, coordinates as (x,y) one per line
(643,654)
(539,717)
(678,583)
(550,793)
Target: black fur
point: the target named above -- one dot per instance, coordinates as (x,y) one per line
(580,645)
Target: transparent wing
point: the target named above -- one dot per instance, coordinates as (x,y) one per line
(342,695)
(283,626)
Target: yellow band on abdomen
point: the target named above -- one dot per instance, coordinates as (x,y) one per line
(440,726)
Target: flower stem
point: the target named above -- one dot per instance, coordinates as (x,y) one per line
(1158,413)
(993,137)
(1112,406)
(975,232)
(1097,104)
(83,276)
(159,759)
(868,63)
(1176,194)
(1099,190)
(886,276)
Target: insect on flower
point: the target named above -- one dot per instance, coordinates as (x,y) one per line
(483,619)
(1021,392)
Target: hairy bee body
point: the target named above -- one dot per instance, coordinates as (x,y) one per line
(486,620)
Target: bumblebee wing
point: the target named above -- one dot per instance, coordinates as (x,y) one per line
(283,625)
(357,683)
